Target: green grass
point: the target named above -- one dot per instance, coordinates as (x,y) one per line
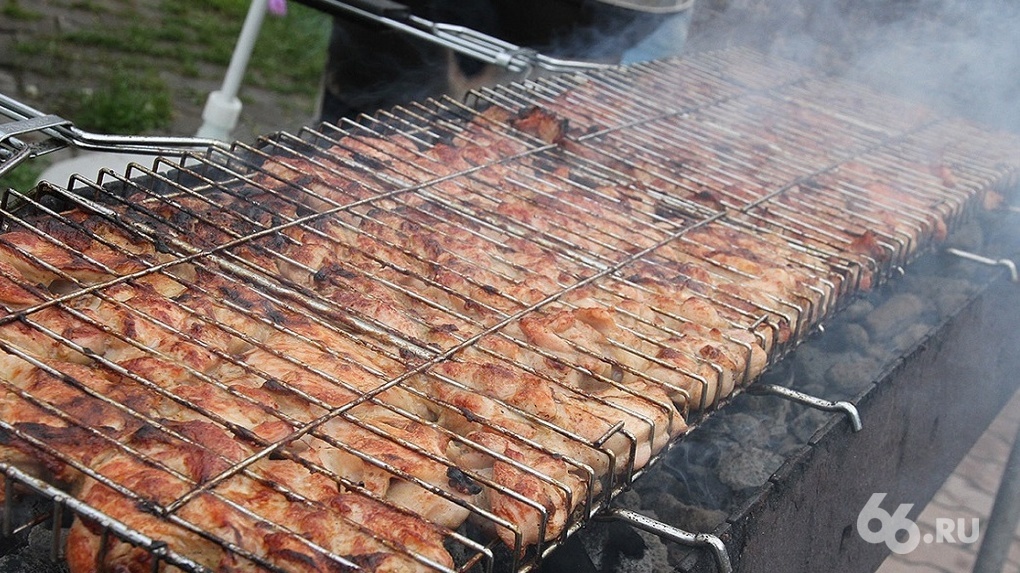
(14,10)
(126,103)
(22,177)
(190,38)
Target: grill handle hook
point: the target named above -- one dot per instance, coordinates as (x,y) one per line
(848,408)
(665,531)
(1010,265)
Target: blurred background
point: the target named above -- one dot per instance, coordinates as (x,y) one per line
(147,66)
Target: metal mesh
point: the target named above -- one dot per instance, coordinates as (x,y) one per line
(448,334)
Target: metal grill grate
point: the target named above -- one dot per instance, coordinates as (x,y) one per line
(446,335)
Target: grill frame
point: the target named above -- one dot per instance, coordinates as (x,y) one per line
(219,260)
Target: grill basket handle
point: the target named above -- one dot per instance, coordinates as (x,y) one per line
(460,39)
(59,133)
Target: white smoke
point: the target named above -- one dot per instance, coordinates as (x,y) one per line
(964,56)
(959,55)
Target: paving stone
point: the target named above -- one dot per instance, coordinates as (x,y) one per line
(969,492)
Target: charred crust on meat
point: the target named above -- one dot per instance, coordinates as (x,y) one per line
(245,434)
(181,219)
(147,433)
(370,162)
(160,245)
(336,270)
(369,561)
(274,385)
(583,181)
(235,297)
(150,506)
(43,431)
(708,197)
(303,181)
(248,210)
(407,355)
(545,164)
(273,314)
(276,241)
(461,482)
(470,415)
(297,557)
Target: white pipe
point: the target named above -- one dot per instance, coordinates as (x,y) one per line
(223,108)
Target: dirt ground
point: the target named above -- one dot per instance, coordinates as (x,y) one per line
(34,80)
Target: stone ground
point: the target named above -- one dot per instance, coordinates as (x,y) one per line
(968,493)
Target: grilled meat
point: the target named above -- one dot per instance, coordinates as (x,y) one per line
(379,335)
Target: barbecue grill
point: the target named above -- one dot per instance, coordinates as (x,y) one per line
(447,336)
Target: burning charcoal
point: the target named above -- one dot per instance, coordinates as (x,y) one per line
(671,510)
(969,236)
(811,362)
(618,547)
(888,319)
(852,336)
(857,310)
(743,468)
(852,373)
(746,428)
(33,557)
(654,556)
(950,294)
(462,483)
(910,337)
(768,406)
(694,478)
(807,423)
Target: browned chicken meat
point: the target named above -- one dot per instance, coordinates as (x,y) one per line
(379,341)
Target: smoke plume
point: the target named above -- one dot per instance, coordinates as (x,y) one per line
(960,56)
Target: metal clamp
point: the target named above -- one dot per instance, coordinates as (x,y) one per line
(13,151)
(986,261)
(23,126)
(60,133)
(847,408)
(645,523)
